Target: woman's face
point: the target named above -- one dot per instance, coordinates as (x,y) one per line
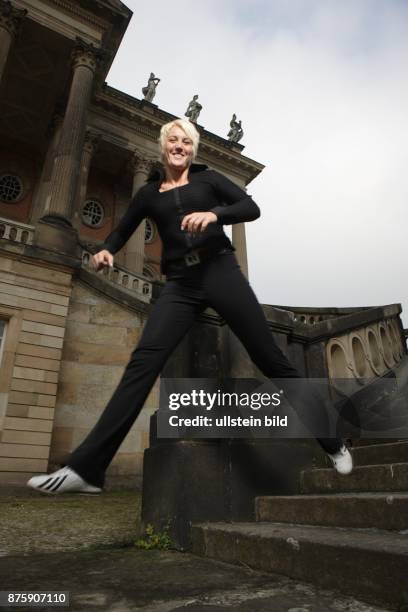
(178,150)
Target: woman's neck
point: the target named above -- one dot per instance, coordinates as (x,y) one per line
(174,176)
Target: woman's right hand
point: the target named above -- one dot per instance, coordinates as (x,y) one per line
(102,259)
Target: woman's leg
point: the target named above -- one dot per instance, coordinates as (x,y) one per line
(171,317)
(230,294)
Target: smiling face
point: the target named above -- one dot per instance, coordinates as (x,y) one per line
(178,149)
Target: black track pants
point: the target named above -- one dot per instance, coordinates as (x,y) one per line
(219,283)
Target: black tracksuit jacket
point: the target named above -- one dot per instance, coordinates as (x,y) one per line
(207,190)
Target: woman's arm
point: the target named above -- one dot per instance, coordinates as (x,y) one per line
(127,225)
(239,207)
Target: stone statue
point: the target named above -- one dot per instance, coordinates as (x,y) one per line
(236,132)
(150,90)
(193,110)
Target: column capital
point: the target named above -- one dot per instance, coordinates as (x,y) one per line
(86,54)
(141,163)
(91,142)
(10,17)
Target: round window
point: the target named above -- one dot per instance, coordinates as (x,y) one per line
(149,230)
(11,188)
(93,213)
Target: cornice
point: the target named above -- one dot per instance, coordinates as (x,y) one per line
(147,119)
(70,8)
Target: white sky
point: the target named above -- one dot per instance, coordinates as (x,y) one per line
(322,91)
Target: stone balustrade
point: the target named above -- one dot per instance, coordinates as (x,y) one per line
(118,275)
(16,231)
(366,352)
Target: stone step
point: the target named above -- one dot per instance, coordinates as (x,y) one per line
(367,478)
(385,452)
(370,564)
(363,510)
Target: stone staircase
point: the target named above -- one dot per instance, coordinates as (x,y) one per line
(348,533)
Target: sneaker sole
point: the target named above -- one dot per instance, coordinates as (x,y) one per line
(43,492)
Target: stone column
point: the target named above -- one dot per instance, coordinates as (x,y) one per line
(10,21)
(239,242)
(90,145)
(66,165)
(134,258)
(43,187)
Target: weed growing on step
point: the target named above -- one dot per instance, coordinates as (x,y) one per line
(159,540)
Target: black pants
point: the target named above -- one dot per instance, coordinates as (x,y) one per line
(219,283)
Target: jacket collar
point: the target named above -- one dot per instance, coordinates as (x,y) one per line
(158,173)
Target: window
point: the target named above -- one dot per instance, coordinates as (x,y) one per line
(11,188)
(93,213)
(150,230)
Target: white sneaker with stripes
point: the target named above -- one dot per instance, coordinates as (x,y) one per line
(65,480)
(342,460)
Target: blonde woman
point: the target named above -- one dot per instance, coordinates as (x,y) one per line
(190,204)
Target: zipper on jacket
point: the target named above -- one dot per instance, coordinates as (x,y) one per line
(180,210)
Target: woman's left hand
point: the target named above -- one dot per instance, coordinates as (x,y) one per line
(198,221)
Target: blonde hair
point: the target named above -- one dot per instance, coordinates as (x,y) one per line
(187,127)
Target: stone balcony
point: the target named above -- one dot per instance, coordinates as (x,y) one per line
(16,231)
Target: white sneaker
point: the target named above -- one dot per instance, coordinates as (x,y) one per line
(342,460)
(65,480)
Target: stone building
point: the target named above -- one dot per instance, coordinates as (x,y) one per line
(73,152)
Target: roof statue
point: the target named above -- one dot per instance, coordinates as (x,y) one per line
(193,109)
(150,90)
(236,132)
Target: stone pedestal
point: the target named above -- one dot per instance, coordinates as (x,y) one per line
(54,233)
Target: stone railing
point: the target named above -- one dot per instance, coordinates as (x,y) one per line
(16,231)
(122,277)
(366,352)
(312,316)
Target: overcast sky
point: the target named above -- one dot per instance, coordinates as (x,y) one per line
(321,87)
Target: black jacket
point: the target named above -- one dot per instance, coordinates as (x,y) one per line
(207,190)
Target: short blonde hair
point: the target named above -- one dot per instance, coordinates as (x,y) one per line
(187,127)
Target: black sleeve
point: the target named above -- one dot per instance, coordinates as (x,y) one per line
(239,207)
(127,225)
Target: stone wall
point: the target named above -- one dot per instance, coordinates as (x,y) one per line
(34,299)
(100,335)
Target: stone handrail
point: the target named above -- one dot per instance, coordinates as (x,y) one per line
(16,231)
(136,284)
(368,351)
